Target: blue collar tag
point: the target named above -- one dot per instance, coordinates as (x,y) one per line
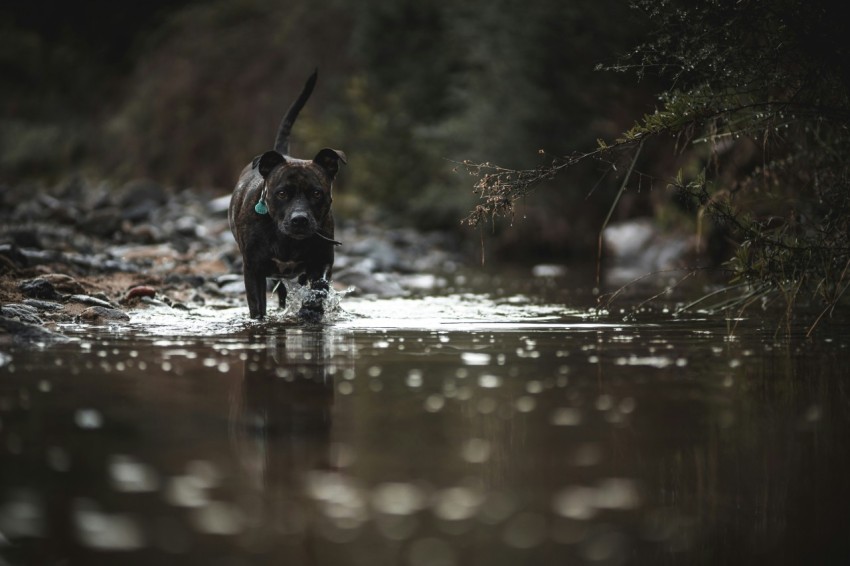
(260,207)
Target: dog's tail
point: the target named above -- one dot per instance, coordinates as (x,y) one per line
(281,144)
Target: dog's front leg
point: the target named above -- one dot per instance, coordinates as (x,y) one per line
(281,294)
(255,288)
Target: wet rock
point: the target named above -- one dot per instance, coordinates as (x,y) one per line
(101,196)
(145,254)
(398,250)
(548,270)
(101,315)
(23,237)
(422,282)
(23,313)
(56,209)
(219,205)
(384,285)
(39,288)
(139,292)
(140,198)
(191,280)
(38,257)
(638,247)
(227,278)
(74,188)
(43,305)
(64,283)
(89,300)
(433,260)
(23,333)
(234,288)
(188,226)
(145,233)
(101,263)
(154,302)
(229,284)
(380,253)
(103,222)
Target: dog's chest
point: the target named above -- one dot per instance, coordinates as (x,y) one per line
(288,258)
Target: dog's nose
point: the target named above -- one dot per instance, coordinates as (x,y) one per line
(299,221)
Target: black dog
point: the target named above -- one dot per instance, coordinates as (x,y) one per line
(280,215)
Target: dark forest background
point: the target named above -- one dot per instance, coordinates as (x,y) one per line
(184,93)
(724,121)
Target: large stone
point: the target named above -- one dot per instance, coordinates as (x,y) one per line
(64,283)
(23,313)
(23,333)
(39,289)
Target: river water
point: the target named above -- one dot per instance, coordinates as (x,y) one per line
(491,421)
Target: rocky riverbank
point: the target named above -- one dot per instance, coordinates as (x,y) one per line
(92,253)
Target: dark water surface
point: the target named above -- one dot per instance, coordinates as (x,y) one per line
(503,428)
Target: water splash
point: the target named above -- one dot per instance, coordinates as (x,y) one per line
(316,306)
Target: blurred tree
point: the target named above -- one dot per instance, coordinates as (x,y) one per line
(187,95)
(61,64)
(409,60)
(486,80)
(533,85)
(212,84)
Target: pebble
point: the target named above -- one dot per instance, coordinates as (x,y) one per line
(64,283)
(140,198)
(193,280)
(140,291)
(43,305)
(102,222)
(365,282)
(89,300)
(154,302)
(96,315)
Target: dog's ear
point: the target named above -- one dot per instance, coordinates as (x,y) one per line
(268,161)
(328,159)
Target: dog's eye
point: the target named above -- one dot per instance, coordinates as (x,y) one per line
(282,193)
(317,194)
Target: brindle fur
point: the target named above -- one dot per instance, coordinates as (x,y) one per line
(295,238)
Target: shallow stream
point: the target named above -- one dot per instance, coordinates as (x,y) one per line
(464,426)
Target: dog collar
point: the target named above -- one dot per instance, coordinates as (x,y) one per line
(260,207)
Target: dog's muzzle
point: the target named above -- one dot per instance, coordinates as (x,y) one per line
(299,225)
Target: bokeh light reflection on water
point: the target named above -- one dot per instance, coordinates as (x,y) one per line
(440,430)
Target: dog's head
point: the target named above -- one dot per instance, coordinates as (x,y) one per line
(298,192)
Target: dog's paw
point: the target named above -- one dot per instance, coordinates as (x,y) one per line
(320,285)
(311,313)
(313,307)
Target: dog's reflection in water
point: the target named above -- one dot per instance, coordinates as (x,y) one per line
(281,417)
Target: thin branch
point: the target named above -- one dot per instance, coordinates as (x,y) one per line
(613,207)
